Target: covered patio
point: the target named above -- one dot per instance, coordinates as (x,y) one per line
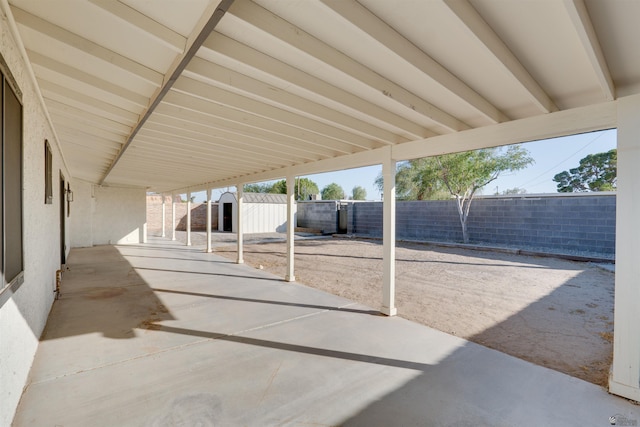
(105,100)
(161,334)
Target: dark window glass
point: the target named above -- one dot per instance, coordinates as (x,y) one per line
(11,254)
(48,174)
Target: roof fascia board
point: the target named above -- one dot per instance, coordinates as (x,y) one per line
(562,123)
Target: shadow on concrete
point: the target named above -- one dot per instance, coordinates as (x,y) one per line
(261,301)
(114,299)
(411,375)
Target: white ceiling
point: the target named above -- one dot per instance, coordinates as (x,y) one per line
(282,84)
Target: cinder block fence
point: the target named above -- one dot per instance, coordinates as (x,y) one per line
(583,222)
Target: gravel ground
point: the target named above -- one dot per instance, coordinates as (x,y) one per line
(551,312)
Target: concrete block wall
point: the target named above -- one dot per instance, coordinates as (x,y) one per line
(198,215)
(562,223)
(319,215)
(586,223)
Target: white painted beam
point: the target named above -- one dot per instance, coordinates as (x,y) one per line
(161,33)
(338,139)
(88,47)
(164,210)
(364,158)
(239,224)
(80,115)
(85,126)
(389,237)
(479,28)
(561,123)
(377,29)
(205,25)
(208,226)
(173,216)
(244,54)
(313,143)
(177,143)
(579,16)
(231,80)
(241,130)
(86,78)
(241,138)
(279,28)
(100,108)
(227,143)
(291,183)
(188,218)
(625,373)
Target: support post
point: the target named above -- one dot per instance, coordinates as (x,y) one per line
(189,218)
(239,224)
(164,212)
(625,373)
(291,183)
(173,217)
(208,226)
(389,237)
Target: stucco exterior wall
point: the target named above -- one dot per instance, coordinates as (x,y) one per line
(107,215)
(120,215)
(23,313)
(80,221)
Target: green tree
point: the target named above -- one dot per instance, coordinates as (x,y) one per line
(304,188)
(332,192)
(457,175)
(596,172)
(265,187)
(358,193)
(514,190)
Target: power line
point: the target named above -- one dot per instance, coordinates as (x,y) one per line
(600,134)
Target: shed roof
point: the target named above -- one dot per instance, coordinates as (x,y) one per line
(267,198)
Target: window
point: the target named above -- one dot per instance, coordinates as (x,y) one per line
(48,174)
(11,249)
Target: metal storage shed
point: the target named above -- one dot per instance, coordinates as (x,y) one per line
(261,213)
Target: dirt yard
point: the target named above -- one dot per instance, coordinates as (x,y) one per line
(551,312)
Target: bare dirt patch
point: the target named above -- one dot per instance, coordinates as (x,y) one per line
(551,312)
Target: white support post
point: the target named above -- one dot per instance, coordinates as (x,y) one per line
(173,217)
(625,374)
(208,226)
(239,224)
(291,183)
(389,237)
(189,218)
(164,212)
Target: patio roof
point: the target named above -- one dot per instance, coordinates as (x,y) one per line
(173,96)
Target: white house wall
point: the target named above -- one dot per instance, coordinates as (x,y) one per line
(120,215)
(81,219)
(107,215)
(23,314)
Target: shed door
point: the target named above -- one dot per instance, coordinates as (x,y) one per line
(227,216)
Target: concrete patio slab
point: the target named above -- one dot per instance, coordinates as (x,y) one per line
(167,335)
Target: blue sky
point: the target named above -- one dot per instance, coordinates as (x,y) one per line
(551,157)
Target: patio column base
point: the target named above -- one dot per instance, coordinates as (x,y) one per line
(389,311)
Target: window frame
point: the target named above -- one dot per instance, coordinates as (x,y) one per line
(10,187)
(48,174)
